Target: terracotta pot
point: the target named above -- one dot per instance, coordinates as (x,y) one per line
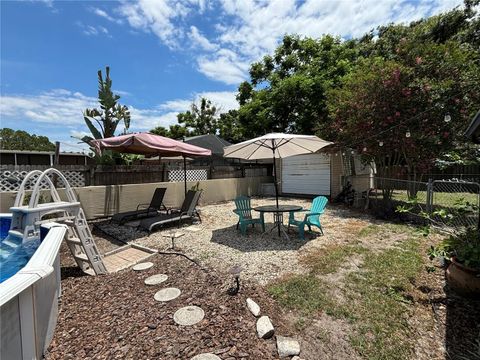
(464,280)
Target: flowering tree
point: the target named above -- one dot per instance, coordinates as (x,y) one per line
(404,113)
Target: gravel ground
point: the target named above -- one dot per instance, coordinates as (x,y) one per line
(216,242)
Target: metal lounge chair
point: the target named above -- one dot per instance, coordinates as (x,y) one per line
(143,210)
(312,217)
(244,212)
(187,211)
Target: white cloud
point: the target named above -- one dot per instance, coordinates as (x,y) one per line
(59,111)
(48,3)
(105,15)
(91,30)
(201,41)
(158,17)
(121,92)
(245,30)
(224,65)
(58,106)
(176,105)
(146,119)
(224,100)
(79,134)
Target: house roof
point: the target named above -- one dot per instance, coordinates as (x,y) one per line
(473,130)
(209,141)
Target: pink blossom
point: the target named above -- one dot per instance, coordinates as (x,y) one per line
(397,113)
(418,60)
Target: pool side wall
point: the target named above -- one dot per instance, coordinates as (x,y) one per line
(29,301)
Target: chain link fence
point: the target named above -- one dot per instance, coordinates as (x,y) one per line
(453,203)
(456,197)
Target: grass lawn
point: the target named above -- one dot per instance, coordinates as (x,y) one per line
(373,297)
(445,199)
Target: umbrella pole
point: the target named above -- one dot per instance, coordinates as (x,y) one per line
(275,174)
(276,216)
(185,174)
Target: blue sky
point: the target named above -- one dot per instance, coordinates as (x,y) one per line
(163,54)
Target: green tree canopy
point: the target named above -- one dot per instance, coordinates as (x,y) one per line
(286,92)
(230,128)
(176,132)
(200,119)
(21,140)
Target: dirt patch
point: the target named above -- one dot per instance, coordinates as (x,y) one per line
(116,316)
(329,337)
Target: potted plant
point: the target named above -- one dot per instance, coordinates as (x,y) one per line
(463,273)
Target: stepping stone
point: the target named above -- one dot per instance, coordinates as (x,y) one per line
(142,266)
(167,294)
(206,356)
(156,279)
(188,315)
(265,328)
(287,346)
(253,307)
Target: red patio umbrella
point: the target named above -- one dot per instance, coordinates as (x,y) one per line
(151,145)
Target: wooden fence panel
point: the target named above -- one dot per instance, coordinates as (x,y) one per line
(11,176)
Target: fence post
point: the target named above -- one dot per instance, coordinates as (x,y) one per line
(92,175)
(429,196)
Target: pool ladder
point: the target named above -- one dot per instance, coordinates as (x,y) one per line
(27,219)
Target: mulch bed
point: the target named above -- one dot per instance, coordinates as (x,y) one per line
(116,317)
(455,333)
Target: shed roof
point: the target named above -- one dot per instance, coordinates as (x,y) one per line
(209,141)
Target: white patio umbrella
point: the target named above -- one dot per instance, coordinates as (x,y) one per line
(275,145)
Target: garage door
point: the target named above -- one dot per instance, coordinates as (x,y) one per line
(306,174)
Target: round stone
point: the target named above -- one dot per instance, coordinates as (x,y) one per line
(188,315)
(156,279)
(142,266)
(167,294)
(206,356)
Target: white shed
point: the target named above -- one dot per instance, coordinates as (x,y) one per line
(323,173)
(306,174)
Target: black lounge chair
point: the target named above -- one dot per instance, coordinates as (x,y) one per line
(148,210)
(188,211)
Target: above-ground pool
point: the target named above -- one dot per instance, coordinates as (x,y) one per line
(14,254)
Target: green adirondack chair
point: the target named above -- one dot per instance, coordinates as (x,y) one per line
(244,212)
(312,217)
